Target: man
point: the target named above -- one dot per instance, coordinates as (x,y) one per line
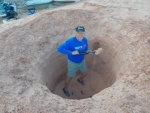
(72,47)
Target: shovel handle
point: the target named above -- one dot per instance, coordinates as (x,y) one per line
(86,52)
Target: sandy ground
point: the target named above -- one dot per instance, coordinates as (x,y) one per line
(79,91)
(32,72)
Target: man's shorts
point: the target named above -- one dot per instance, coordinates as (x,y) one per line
(74,67)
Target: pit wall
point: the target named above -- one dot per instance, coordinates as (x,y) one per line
(110,64)
(112,61)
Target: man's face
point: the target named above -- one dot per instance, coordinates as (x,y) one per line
(80,35)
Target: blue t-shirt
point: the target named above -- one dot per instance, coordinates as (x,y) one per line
(71,45)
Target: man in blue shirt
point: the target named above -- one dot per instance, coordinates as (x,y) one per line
(72,47)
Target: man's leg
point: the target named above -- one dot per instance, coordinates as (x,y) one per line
(80,79)
(67,82)
(82,76)
(65,89)
(83,70)
(70,74)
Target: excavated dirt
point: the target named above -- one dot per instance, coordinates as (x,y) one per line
(32,72)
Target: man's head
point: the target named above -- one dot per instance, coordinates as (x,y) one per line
(80,31)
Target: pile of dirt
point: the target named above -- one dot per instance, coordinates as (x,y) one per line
(33,72)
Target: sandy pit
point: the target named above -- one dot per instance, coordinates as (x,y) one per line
(32,72)
(101,73)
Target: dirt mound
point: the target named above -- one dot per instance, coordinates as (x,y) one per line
(33,72)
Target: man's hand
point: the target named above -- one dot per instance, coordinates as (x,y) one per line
(75,52)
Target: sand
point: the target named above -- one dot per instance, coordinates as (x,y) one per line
(32,72)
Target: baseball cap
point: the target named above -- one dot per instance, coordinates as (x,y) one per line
(80,29)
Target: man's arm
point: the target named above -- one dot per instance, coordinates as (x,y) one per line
(64,48)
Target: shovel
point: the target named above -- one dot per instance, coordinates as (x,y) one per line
(96,52)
